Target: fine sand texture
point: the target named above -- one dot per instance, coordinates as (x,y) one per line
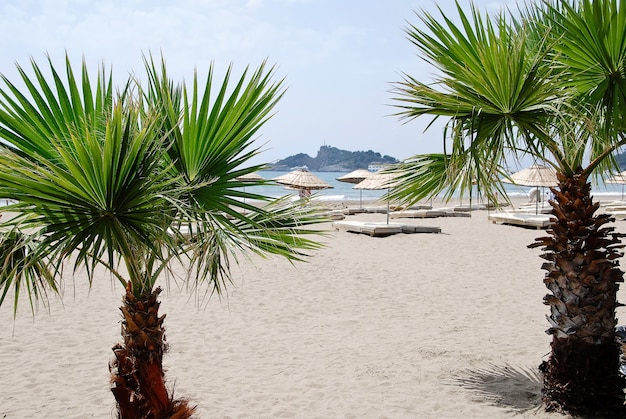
(447,325)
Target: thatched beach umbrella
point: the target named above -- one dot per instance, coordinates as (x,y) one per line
(378,181)
(302,180)
(537,175)
(356,176)
(250,177)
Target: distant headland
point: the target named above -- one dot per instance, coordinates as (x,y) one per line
(332,159)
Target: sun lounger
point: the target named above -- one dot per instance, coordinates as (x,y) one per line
(352,211)
(533,210)
(522,219)
(365,210)
(382,229)
(425,213)
(335,215)
(542,208)
(468,207)
(612,203)
(412,207)
(614,208)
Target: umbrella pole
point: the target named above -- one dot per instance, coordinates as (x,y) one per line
(537,202)
(360,198)
(387,211)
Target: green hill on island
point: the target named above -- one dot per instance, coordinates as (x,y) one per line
(332,159)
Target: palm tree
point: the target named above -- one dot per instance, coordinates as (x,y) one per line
(135,181)
(549,83)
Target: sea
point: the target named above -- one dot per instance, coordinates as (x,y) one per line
(342,191)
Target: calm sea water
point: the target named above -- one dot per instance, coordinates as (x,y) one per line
(344,191)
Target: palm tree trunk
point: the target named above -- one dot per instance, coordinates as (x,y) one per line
(137,370)
(583,276)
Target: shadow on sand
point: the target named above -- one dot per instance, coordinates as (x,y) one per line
(513,388)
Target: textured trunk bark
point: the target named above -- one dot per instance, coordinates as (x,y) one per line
(583,276)
(138,381)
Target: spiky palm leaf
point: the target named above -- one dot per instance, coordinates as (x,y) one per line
(52,108)
(589,40)
(100,194)
(212,141)
(496,90)
(23,269)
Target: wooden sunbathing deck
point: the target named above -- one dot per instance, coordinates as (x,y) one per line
(382,229)
(520,219)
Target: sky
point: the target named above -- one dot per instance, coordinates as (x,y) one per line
(339,58)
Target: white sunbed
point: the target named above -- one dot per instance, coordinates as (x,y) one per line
(382,229)
(428,213)
(522,219)
(531,207)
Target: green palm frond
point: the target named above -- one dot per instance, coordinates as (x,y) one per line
(213,138)
(549,84)
(495,88)
(102,193)
(426,176)
(212,145)
(23,269)
(592,47)
(281,229)
(588,46)
(420,177)
(88,174)
(489,74)
(52,108)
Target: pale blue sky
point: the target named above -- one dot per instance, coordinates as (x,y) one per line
(338,57)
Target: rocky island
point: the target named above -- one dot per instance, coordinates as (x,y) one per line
(332,159)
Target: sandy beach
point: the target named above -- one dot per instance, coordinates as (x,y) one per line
(445,325)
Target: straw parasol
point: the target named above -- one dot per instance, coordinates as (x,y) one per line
(250,177)
(356,176)
(302,180)
(378,181)
(537,175)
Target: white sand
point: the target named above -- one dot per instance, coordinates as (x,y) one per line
(407,326)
